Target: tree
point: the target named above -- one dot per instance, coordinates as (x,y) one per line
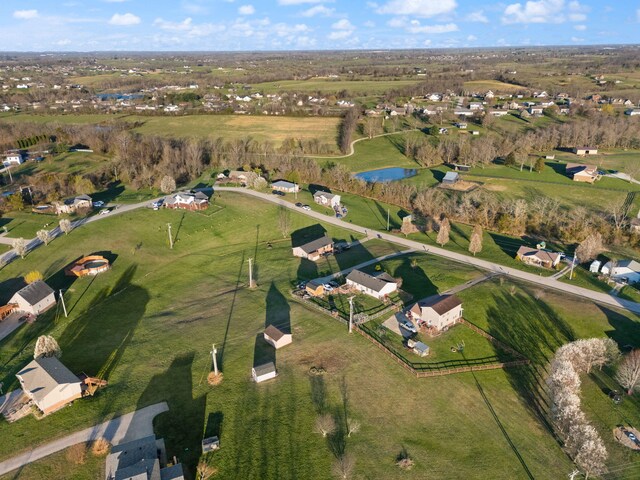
(590,247)
(539,166)
(284,221)
(344,466)
(510,160)
(46,346)
(167,184)
(475,244)
(15,202)
(44,236)
(353,426)
(628,374)
(372,127)
(205,470)
(443,232)
(325,424)
(19,245)
(32,276)
(65,226)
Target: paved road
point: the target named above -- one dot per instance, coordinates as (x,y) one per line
(128,427)
(548,282)
(362,265)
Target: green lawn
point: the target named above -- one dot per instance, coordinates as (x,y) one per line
(329,86)
(26,224)
(147,327)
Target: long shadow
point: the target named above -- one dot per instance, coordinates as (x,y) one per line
(318,393)
(255,256)
(437,174)
(508,245)
(278,311)
(626,332)
(175,239)
(358,253)
(231,308)
(459,234)
(182,426)
(263,352)
(414,280)
(307,270)
(313,188)
(113,191)
(213,428)
(386,214)
(535,330)
(307,234)
(9,287)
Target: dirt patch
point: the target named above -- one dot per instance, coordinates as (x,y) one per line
(627,436)
(495,188)
(461,186)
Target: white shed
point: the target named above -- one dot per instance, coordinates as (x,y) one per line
(595,266)
(264,372)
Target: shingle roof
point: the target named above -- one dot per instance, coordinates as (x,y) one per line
(316,244)
(35,292)
(369,281)
(42,375)
(283,184)
(264,369)
(443,304)
(274,333)
(630,264)
(542,255)
(327,195)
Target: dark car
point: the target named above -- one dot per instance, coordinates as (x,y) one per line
(298,204)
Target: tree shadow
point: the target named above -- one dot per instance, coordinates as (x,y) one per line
(278,311)
(626,332)
(459,234)
(112,192)
(386,214)
(508,245)
(313,188)
(318,393)
(182,426)
(414,280)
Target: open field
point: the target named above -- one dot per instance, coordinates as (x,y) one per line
(496,86)
(150,336)
(332,86)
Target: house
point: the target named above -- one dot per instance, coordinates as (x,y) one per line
(277,337)
(377,286)
(72,205)
(632,112)
(49,384)
(35,298)
(141,460)
(489,95)
(535,110)
(284,186)
(187,201)
(12,159)
(463,112)
(498,113)
(264,372)
(450,178)
(314,288)
(538,257)
(585,151)
(582,173)
(438,313)
(461,125)
(327,199)
(243,178)
(622,271)
(315,249)
(434,97)
(475,106)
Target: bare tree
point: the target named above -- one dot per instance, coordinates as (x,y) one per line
(325,424)
(65,226)
(205,470)
(284,221)
(167,184)
(353,426)
(19,245)
(617,214)
(372,126)
(443,233)
(628,374)
(46,346)
(475,244)
(44,236)
(343,466)
(590,247)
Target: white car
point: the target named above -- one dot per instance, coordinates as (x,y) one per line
(306,207)
(328,287)
(104,211)
(408,326)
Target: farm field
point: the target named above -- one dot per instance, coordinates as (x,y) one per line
(152,343)
(496,86)
(333,86)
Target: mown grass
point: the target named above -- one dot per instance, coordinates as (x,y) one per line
(332,86)
(147,327)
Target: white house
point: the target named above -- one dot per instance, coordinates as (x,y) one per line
(327,199)
(378,286)
(585,151)
(632,112)
(475,106)
(595,266)
(12,159)
(71,205)
(49,384)
(627,271)
(35,298)
(276,337)
(187,201)
(438,313)
(284,186)
(264,372)
(536,110)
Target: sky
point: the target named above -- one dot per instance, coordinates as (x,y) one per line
(249,25)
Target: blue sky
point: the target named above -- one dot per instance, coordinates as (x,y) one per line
(88,25)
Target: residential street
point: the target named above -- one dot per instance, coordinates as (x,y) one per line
(128,427)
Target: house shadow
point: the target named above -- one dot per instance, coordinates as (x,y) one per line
(9,287)
(182,426)
(307,270)
(414,280)
(313,188)
(307,234)
(111,193)
(278,311)
(437,175)
(559,168)
(213,427)
(358,253)
(508,245)
(263,352)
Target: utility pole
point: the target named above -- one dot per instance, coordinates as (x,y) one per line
(214,352)
(387,219)
(351,314)
(251,273)
(8,169)
(64,307)
(170,236)
(573,263)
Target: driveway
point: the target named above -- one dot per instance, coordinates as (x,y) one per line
(10,323)
(393,324)
(131,426)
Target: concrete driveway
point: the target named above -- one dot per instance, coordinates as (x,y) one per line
(393,324)
(131,426)
(10,323)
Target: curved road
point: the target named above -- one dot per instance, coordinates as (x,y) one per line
(548,282)
(351,146)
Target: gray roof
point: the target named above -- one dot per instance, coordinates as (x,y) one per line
(630,264)
(42,375)
(173,472)
(283,184)
(451,176)
(327,195)
(274,333)
(421,347)
(375,283)
(35,292)
(136,460)
(264,369)
(316,244)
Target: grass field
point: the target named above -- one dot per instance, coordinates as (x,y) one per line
(147,326)
(332,86)
(496,86)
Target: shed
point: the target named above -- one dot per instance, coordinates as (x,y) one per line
(421,349)
(277,337)
(595,266)
(315,289)
(264,372)
(210,444)
(35,298)
(450,178)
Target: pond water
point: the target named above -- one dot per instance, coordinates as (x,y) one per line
(387,174)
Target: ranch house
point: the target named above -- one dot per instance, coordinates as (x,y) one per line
(378,286)
(315,249)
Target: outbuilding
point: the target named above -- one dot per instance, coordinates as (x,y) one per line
(35,298)
(284,186)
(585,151)
(451,178)
(315,249)
(276,337)
(264,372)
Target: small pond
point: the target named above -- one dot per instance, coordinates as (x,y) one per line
(387,174)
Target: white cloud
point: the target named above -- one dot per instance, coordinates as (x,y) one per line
(285,30)
(432,29)
(115,1)
(577,40)
(580,27)
(545,11)
(318,10)
(124,20)
(369,24)
(25,14)
(478,16)
(342,29)
(246,10)
(343,24)
(419,8)
(188,28)
(471,38)
(339,34)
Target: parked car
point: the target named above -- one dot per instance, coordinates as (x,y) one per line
(98,204)
(157,203)
(306,207)
(277,192)
(104,211)
(631,436)
(408,326)
(334,284)
(338,215)
(328,287)
(298,204)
